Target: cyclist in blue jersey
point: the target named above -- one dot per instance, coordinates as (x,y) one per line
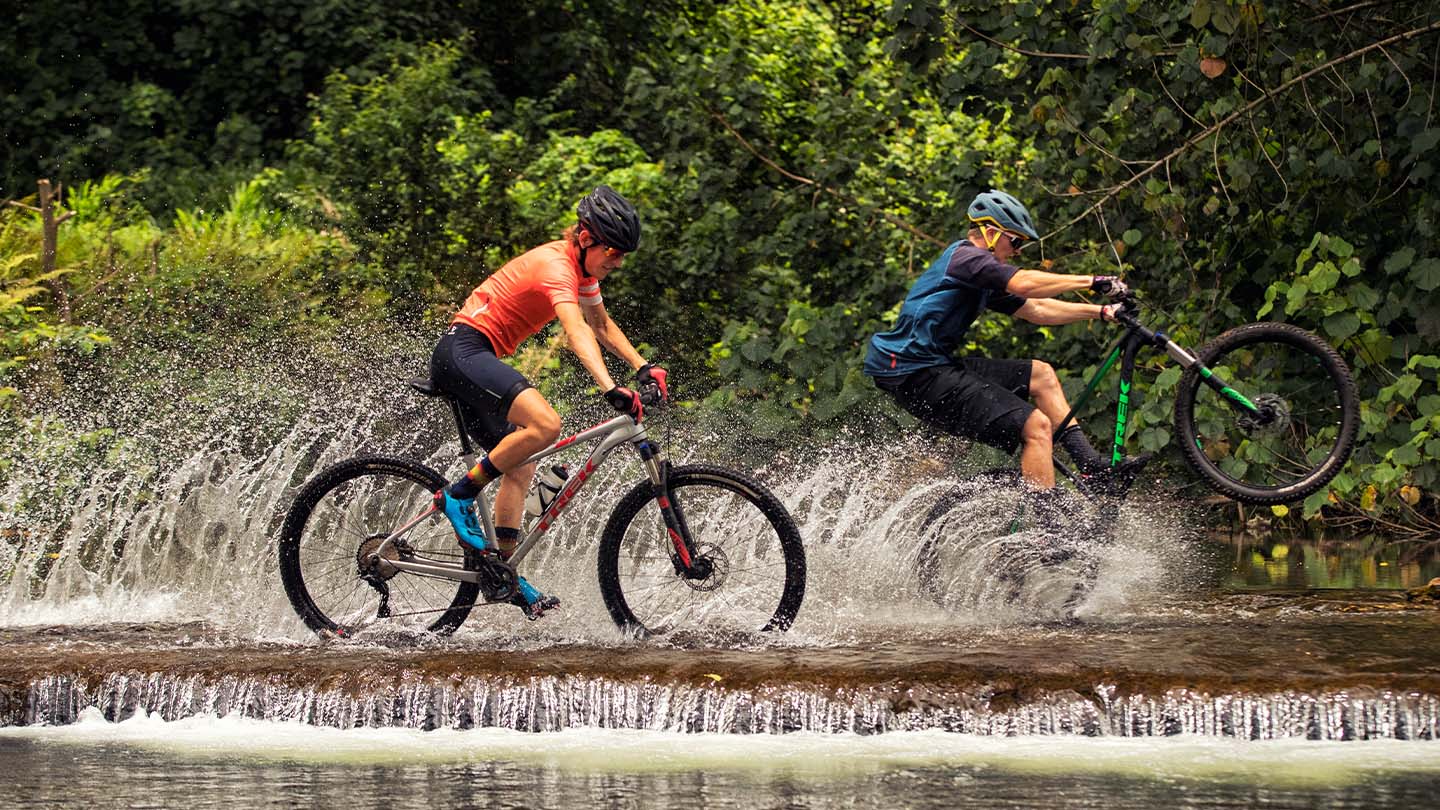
(990,400)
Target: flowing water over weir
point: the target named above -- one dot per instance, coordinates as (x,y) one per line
(555,703)
(140,580)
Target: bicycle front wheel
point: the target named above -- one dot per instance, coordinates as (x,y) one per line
(754,560)
(334,563)
(1300,430)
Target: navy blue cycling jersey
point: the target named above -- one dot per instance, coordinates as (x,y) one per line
(941,306)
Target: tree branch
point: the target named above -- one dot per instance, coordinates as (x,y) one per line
(1022,51)
(834,192)
(29,208)
(1227,120)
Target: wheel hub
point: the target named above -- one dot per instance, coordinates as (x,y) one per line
(709,568)
(1272,416)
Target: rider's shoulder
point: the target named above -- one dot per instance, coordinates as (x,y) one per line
(543,260)
(968,256)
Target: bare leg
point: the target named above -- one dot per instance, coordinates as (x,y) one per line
(1037,464)
(1046,391)
(510,499)
(538,426)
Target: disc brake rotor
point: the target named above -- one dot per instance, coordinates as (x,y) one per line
(714,566)
(1273,415)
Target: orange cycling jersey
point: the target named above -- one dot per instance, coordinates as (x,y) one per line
(520,298)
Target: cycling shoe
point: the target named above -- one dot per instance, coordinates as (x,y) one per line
(532,602)
(1116,481)
(461,514)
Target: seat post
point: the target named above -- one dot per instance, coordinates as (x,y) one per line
(466,449)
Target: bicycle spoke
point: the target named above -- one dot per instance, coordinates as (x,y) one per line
(363,503)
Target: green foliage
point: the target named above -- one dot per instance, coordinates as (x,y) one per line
(797,163)
(1315,204)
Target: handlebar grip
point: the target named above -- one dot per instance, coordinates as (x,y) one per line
(650,395)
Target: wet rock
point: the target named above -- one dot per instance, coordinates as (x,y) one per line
(1428,593)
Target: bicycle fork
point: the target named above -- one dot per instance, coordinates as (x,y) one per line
(687,562)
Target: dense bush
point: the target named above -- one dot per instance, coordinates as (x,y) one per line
(798,163)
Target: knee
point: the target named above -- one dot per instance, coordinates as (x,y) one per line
(1042,377)
(545,427)
(1037,429)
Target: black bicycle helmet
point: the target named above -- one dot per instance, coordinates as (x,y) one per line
(1004,212)
(610,218)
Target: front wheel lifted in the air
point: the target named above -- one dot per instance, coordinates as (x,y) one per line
(741,568)
(1268,415)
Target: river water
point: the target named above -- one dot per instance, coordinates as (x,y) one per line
(151,657)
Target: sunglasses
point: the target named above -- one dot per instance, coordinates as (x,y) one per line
(610,252)
(1017,243)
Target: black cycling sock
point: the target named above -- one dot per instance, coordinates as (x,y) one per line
(472,482)
(1086,458)
(507,538)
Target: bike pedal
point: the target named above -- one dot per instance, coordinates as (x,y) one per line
(537,609)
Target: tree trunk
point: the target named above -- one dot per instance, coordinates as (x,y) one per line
(50,225)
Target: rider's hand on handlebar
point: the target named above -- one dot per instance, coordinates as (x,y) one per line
(1109,286)
(652,375)
(1112,312)
(625,401)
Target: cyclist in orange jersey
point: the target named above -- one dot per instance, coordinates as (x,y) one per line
(505,414)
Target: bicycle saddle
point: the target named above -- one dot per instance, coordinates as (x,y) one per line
(424,386)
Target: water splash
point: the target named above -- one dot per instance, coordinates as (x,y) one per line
(148,508)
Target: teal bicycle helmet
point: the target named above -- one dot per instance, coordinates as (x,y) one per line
(1003,211)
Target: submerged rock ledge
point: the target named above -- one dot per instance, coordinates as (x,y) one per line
(552,703)
(763,691)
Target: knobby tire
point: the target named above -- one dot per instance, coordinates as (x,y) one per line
(318,528)
(726,511)
(1329,385)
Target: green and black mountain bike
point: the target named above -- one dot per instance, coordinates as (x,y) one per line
(1266,414)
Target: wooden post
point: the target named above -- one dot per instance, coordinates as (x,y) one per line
(50,239)
(50,225)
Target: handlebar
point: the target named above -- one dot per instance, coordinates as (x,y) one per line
(650,396)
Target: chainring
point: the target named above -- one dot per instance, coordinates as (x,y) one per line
(498,581)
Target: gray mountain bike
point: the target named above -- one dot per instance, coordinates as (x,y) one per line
(694,547)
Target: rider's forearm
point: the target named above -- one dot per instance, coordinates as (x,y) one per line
(584,343)
(1045,312)
(613,338)
(1040,284)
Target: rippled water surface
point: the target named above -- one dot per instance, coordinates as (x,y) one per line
(217,763)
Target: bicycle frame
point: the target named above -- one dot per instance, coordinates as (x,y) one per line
(1125,349)
(610,434)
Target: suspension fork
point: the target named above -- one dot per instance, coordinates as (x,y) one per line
(670,509)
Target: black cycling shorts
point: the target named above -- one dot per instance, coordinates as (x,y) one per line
(975,397)
(464,366)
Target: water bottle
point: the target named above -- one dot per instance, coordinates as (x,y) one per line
(547,485)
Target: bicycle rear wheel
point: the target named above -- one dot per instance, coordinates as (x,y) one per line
(335,526)
(1302,431)
(985,539)
(755,558)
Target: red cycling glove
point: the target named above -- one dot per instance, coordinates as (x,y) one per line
(651,373)
(625,401)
